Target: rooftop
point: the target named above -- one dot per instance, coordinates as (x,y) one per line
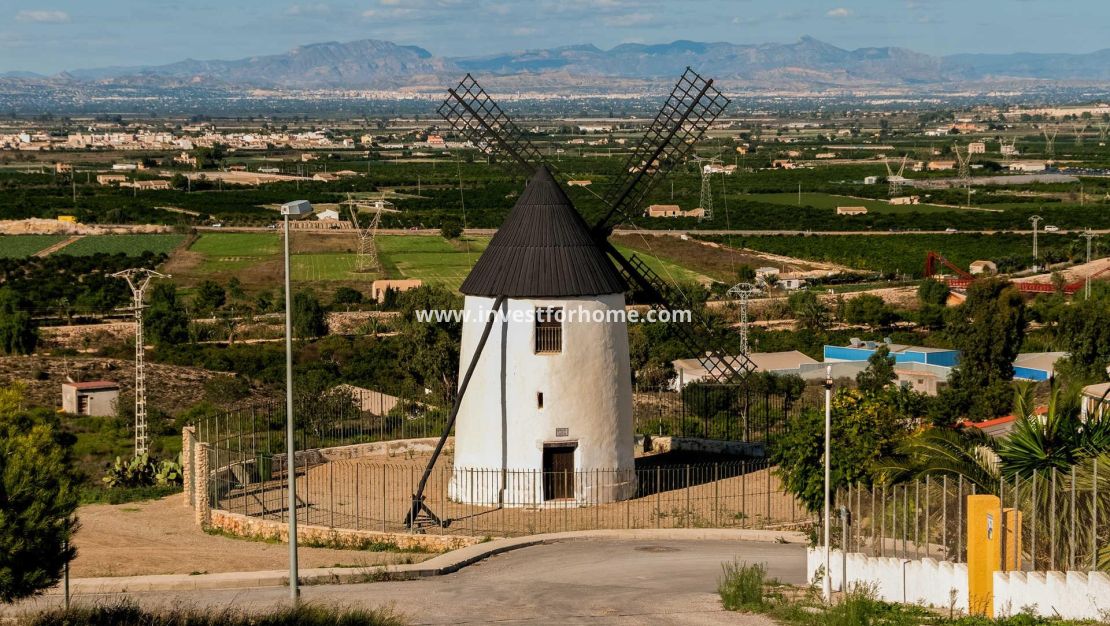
(93,385)
(543,250)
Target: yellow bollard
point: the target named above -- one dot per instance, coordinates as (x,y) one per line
(984,552)
(987,521)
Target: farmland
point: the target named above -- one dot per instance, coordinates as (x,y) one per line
(20,246)
(830,202)
(432,259)
(130,245)
(905,254)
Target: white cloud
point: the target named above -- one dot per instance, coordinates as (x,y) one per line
(524,31)
(838,12)
(42,17)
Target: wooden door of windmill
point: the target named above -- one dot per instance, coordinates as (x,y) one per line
(558,472)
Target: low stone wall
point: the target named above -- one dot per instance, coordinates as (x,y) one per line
(395,448)
(711,446)
(1070,595)
(939,584)
(255,528)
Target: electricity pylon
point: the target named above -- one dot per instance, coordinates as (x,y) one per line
(743,292)
(138,279)
(895,180)
(367,258)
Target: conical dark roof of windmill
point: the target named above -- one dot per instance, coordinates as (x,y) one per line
(543,250)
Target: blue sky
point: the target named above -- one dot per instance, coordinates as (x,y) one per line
(51,35)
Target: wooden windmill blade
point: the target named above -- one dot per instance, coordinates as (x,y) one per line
(473,113)
(692,107)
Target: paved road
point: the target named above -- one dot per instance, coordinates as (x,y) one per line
(577,582)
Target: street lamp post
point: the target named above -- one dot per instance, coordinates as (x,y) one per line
(296,208)
(827,580)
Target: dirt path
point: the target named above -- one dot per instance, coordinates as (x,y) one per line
(48,250)
(159,537)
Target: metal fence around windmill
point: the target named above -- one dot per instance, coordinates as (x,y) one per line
(359,459)
(727,412)
(1062,518)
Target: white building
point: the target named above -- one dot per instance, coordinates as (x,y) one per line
(551,393)
(98,398)
(328,214)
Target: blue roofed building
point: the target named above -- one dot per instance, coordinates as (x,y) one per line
(858,350)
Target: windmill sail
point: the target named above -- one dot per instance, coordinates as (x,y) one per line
(473,114)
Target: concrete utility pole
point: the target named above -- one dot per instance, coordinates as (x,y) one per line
(138,280)
(827,579)
(1036,219)
(1088,235)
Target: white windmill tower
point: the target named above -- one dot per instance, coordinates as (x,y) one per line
(556,389)
(552,394)
(896,180)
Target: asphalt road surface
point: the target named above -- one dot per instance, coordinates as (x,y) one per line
(575,582)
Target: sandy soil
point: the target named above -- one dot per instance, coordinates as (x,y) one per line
(159,537)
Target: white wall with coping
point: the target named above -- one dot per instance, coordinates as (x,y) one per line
(1071,595)
(927,582)
(587,390)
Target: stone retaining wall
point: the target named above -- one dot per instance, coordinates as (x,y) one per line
(255,528)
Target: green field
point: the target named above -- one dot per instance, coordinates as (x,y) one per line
(237,244)
(829,201)
(131,245)
(431,259)
(327,266)
(229,252)
(20,246)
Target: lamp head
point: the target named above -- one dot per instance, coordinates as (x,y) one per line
(296,208)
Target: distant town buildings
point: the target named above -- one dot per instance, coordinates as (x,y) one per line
(672,210)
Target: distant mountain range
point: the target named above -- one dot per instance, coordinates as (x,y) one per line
(805,64)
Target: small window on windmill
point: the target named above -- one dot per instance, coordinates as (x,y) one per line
(549,330)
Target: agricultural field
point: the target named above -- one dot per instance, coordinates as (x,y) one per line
(905,254)
(21,246)
(831,201)
(131,245)
(432,259)
(223,252)
(716,262)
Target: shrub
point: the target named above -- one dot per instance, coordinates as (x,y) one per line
(741,586)
(142,471)
(126,614)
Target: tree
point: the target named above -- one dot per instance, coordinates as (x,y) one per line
(745,274)
(811,314)
(451,228)
(865,429)
(38,500)
(18,331)
(1084,331)
(164,319)
(309,317)
(932,292)
(346,295)
(430,350)
(879,372)
(987,329)
(868,309)
(209,296)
